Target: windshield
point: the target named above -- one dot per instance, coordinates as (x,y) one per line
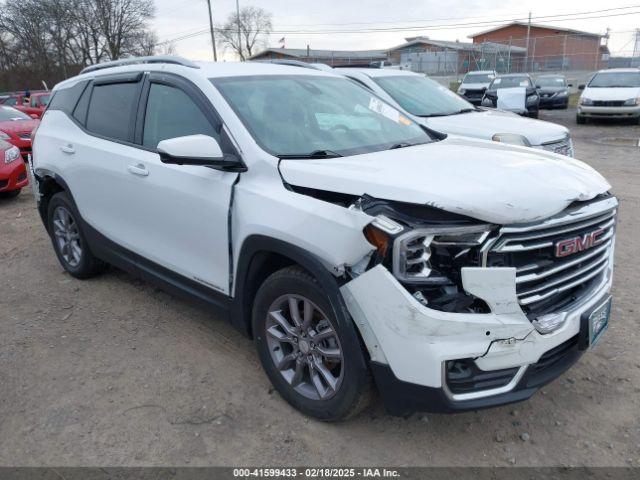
(477,78)
(510,82)
(551,81)
(615,79)
(44,99)
(9,113)
(303,115)
(423,97)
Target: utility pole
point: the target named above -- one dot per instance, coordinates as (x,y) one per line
(239,38)
(213,37)
(526,59)
(636,45)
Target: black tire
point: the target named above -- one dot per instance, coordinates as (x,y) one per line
(355,390)
(10,194)
(87,265)
(580,120)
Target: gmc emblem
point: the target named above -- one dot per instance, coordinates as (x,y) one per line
(573,245)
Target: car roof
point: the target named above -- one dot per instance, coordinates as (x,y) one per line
(379,72)
(620,70)
(550,75)
(507,75)
(204,70)
(480,71)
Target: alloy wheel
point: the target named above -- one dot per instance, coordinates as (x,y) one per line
(304,347)
(67,236)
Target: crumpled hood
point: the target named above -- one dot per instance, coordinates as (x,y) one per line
(492,182)
(611,93)
(487,123)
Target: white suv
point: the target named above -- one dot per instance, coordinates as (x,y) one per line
(356,247)
(434,106)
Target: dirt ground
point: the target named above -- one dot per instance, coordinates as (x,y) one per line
(114,371)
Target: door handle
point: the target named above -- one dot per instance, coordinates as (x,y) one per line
(68,148)
(138,169)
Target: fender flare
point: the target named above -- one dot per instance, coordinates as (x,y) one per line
(249,263)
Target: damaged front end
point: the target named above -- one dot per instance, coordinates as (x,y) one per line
(442,305)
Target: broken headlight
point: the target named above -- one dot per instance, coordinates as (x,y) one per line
(425,256)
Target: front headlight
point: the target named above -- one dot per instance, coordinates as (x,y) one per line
(4,135)
(532,99)
(511,139)
(562,93)
(632,102)
(486,102)
(461,91)
(414,252)
(11,155)
(585,101)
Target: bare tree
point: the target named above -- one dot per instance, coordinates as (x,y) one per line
(255,25)
(53,39)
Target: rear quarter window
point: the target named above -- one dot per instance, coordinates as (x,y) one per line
(65,99)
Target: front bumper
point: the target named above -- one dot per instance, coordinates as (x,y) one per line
(410,344)
(13,176)
(609,112)
(554,101)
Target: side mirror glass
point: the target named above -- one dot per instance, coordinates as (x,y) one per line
(580,87)
(198,150)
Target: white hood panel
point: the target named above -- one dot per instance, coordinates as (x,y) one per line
(615,94)
(492,182)
(487,123)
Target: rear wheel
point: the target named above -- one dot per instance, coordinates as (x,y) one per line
(312,357)
(10,194)
(68,240)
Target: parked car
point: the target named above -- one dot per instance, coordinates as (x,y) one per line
(355,246)
(13,174)
(16,128)
(34,105)
(474,84)
(553,91)
(436,107)
(611,93)
(512,80)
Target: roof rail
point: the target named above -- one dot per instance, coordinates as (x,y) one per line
(285,61)
(141,60)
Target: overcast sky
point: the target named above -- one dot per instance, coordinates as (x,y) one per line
(178,17)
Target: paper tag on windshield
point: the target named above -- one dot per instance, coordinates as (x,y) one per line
(384,109)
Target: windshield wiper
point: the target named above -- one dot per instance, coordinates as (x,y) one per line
(405,145)
(314,154)
(465,110)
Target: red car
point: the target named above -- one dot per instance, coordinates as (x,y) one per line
(33,106)
(16,128)
(13,172)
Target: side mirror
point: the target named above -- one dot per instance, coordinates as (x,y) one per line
(198,150)
(538,87)
(580,87)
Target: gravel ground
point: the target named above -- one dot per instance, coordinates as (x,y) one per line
(114,371)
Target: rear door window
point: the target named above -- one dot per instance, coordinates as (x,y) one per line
(111,110)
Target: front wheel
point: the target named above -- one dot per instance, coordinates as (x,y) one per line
(312,357)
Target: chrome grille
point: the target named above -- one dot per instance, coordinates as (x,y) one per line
(543,280)
(563,147)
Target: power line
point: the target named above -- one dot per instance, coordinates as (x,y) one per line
(578,16)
